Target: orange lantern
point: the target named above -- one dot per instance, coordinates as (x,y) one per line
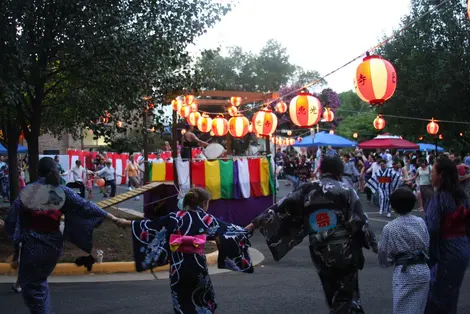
(376,80)
(264,122)
(289,132)
(193,107)
(184,111)
(188,99)
(176,105)
(204,124)
(193,118)
(299,139)
(180,101)
(236,101)
(183,131)
(379,123)
(328,115)
(441,137)
(274,140)
(291,141)
(219,126)
(355,135)
(305,110)
(332,132)
(281,107)
(232,110)
(432,127)
(238,126)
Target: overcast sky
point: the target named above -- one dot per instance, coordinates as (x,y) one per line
(319,34)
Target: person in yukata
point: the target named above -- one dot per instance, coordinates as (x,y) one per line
(34,219)
(384,182)
(330,213)
(179,238)
(404,244)
(447,218)
(351,174)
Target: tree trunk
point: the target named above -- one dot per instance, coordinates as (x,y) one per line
(33,154)
(12,137)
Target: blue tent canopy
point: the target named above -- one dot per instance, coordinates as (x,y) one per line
(325,139)
(21,150)
(425,147)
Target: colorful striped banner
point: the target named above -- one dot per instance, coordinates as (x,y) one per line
(212,177)
(226,179)
(159,171)
(255,177)
(198,174)
(264,176)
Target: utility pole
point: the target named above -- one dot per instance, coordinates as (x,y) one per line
(174,146)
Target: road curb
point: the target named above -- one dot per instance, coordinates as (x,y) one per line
(70,269)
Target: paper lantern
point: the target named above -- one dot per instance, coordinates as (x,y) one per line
(332,132)
(250,127)
(264,122)
(193,118)
(289,132)
(274,140)
(184,111)
(355,135)
(188,99)
(238,126)
(328,115)
(176,105)
(204,124)
(432,127)
(193,107)
(211,133)
(281,107)
(232,110)
(305,110)
(180,101)
(441,137)
(376,80)
(299,139)
(379,123)
(236,101)
(183,131)
(291,141)
(219,126)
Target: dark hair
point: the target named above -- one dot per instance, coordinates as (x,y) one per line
(332,165)
(446,169)
(402,200)
(47,168)
(195,197)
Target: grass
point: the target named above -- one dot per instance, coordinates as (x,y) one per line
(116,243)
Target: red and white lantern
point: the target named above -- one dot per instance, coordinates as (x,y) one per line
(379,123)
(264,122)
(238,126)
(281,107)
(236,101)
(188,99)
(432,127)
(204,124)
(176,105)
(184,111)
(219,126)
(305,110)
(232,110)
(193,118)
(193,107)
(328,115)
(291,141)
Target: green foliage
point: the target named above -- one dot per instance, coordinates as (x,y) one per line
(351,104)
(360,124)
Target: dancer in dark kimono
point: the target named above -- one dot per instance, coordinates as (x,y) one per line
(384,182)
(330,213)
(447,218)
(5,183)
(33,220)
(179,239)
(404,244)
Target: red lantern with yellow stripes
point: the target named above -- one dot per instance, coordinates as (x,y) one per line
(379,123)
(238,126)
(236,101)
(291,141)
(176,105)
(188,99)
(193,118)
(184,111)
(281,107)
(232,110)
(375,81)
(305,110)
(432,127)
(264,122)
(219,126)
(204,124)
(328,115)
(193,107)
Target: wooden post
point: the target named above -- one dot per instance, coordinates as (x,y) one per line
(268,145)
(146,149)
(174,145)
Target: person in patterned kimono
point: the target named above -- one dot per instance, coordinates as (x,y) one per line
(404,244)
(384,182)
(330,213)
(179,239)
(34,219)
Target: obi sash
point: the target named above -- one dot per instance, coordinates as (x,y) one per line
(410,258)
(385,180)
(42,220)
(188,244)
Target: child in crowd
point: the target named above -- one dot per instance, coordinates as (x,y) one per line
(89,185)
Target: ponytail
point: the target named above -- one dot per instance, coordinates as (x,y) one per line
(195,197)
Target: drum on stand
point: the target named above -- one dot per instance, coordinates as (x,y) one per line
(214,151)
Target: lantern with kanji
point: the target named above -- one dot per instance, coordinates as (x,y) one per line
(305,110)
(432,127)
(264,122)
(375,81)
(238,126)
(204,124)
(281,107)
(328,115)
(219,126)
(188,99)
(379,123)
(193,118)
(184,111)
(236,101)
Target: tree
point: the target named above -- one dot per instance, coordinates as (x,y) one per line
(360,124)
(351,104)
(432,60)
(73,61)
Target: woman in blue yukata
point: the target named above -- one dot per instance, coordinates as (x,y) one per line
(447,217)
(34,219)
(179,239)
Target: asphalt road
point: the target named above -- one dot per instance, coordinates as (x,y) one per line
(285,287)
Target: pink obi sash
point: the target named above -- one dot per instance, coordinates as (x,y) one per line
(188,244)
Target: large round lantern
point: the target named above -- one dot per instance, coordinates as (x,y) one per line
(238,126)
(432,127)
(204,124)
(232,110)
(176,105)
(219,126)
(305,110)
(379,123)
(376,80)
(193,107)
(193,118)
(236,101)
(328,115)
(188,99)
(184,111)
(264,122)
(281,107)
